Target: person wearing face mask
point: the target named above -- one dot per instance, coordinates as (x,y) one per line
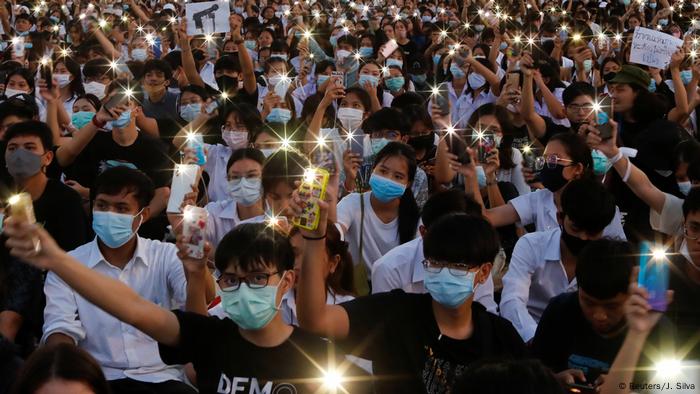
(544,263)
(92,152)
(149,268)
(417,342)
(97,75)
(566,158)
(67,74)
(84,109)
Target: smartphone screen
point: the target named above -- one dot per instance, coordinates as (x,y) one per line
(47,74)
(312,189)
(390,47)
(184,177)
(338,77)
(603,114)
(442,98)
(653,276)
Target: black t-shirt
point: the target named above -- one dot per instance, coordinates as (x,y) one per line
(398,332)
(684,311)
(60,209)
(224,361)
(410,51)
(552,129)
(147,154)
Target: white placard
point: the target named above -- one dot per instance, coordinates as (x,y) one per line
(653,48)
(207,17)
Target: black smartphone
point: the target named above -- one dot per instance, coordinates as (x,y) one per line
(581,388)
(458,147)
(115,101)
(442,98)
(485,144)
(603,114)
(47,74)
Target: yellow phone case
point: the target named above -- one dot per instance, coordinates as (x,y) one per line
(312,189)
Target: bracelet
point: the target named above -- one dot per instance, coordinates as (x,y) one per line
(97,123)
(314,238)
(628,171)
(616,158)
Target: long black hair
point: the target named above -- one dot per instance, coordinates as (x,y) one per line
(76,85)
(576,147)
(505,150)
(408,208)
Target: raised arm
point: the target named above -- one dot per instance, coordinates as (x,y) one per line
(106,44)
(71,148)
(187,58)
(536,125)
(553,105)
(333,92)
(140,13)
(681,111)
(247,69)
(111,295)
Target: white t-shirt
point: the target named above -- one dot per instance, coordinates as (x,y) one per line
(217,158)
(378,237)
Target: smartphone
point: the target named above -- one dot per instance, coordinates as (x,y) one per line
(18,47)
(563,35)
(157,50)
(515,50)
(653,276)
(603,116)
(22,207)
(530,157)
(115,101)
(282,87)
(184,177)
(484,146)
(442,98)
(312,189)
(194,225)
(338,77)
(195,141)
(47,74)
(389,48)
(513,81)
(356,144)
(581,388)
(458,147)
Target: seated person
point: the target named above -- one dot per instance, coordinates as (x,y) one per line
(544,263)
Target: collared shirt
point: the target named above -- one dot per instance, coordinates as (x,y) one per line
(288,307)
(535,275)
(464,104)
(538,207)
(156,274)
(402,268)
(165,108)
(670,222)
(217,158)
(222,218)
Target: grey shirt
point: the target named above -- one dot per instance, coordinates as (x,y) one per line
(165,108)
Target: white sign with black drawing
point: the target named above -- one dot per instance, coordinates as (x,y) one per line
(207,18)
(653,48)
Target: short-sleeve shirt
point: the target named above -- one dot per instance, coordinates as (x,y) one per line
(398,332)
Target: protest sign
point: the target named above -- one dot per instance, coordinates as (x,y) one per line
(653,48)
(207,17)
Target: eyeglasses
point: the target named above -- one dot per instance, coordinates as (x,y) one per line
(455,269)
(254,280)
(691,232)
(388,134)
(580,107)
(551,161)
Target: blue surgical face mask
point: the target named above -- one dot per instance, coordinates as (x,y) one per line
(368,78)
(394,62)
(366,51)
(113,229)
(279,115)
(282,56)
(419,78)
(449,290)
(321,78)
(81,118)
(685,187)
(601,164)
(652,6)
(663,22)
(250,44)
(481,176)
(334,41)
(436,59)
(190,111)
(246,191)
(652,86)
(139,54)
(426,18)
(394,84)
(457,72)
(686,76)
(250,309)
(385,189)
(122,121)
(587,65)
(378,144)
(503,46)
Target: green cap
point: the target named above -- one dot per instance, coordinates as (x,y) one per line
(632,75)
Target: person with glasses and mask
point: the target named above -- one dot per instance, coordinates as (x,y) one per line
(424,342)
(255,269)
(543,264)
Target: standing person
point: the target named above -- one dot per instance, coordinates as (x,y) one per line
(419,342)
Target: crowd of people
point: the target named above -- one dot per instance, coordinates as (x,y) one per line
(394,196)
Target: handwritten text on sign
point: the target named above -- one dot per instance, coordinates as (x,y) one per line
(653,48)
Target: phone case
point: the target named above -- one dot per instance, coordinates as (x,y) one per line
(338,77)
(530,157)
(484,146)
(653,276)
(194,227)
(390,47)
(312,189)
(22,207)
(184,177)
(18,46)
(195,142)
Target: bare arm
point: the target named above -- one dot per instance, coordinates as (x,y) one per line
(187,58)
(536,125)
(106,44)
(57,337)
(247,68)
(10,323)
(139,12)
(553,105)
(681,111)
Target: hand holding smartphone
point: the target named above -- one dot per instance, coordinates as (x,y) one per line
(194,226)
(312,189)
(184,177)
(603,114)
(654,276)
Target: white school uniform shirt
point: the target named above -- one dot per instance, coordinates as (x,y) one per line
(222,218)
(300,94)
(535,275)
(515,174)
(402,268)
(288,307)
(543,110)
(217,158)
(464,105)
(156,274)
(207,74)
(670,221)
(378,238)
(538,207)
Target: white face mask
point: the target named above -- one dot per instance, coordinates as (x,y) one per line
(476,80)
(350,118)
(62,79)
(96,88)
(13,92)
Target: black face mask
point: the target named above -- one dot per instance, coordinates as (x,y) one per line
(227,84)
(609,76)
(422,142)
(575,244)
(552,178)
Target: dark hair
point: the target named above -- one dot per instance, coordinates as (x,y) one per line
(227,63)
(245,153)
(283,166)
(311,104)
(588,204)
(97,68)
(408,208)
(348,39)
(76,85)
(174,59)
(92,99)
(505,151)
(247,114)
(19,107)
(24,73)
(447,202)
(33,128)
(362,95)
(577,89)
(117,180)
(408,98)
(506,377)
(417,114)
(158,65)
(137,93)
(461,238)
(251,246)
(686,151)
(647,106)
(577,149)
(692,202)
(198,90)
(385,119)
(615,258)
(61,362)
